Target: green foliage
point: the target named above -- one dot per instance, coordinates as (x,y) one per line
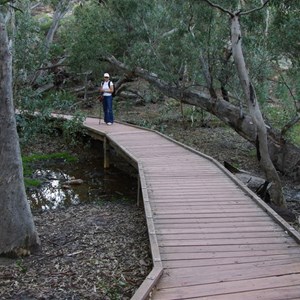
(85,28)
(30,183)
(282,108)
(72,127)
(61,155)
(164,37)
(61,101)
(29,103)
(284,28)
(113,289)
(29,44)
(20,265)
(28,161)
(294,134)
(44,22)
(29,127)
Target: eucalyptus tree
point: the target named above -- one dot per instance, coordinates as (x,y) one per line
(17,230)
(252,101)
(184,49)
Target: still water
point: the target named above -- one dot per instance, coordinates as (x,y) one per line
(97,184)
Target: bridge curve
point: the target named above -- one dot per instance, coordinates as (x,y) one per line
(210,236)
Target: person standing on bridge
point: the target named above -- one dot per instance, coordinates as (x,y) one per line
(106,89)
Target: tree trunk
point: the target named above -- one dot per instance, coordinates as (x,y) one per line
(60,11)
(253,106)
(267,19)
(17,230)
(284,155)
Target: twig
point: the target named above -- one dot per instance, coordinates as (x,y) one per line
(75,253)
(289,89)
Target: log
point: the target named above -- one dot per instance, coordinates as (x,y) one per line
(257,184)
(74,182)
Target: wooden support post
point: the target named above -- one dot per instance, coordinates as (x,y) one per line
(181,109)
(106,153)
(138,191)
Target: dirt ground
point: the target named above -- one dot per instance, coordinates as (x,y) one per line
(101,251)
(88,252)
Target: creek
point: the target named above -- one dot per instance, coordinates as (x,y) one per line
(98,184)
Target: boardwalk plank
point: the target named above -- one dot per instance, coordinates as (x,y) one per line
(194,210)
(156,204)
(212,215)
(227,241)
(224,248)
(218,220)
(190,202)
(272,288)
(227,273)
(211,237)
(219,230)
(205,254)
(225,235)
(234,259)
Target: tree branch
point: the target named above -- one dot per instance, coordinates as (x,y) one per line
(35,5)
(59,64)
(219,7)
(238,12)
(254,9)
(3,2)
(16,8)
(290,91)
(289,125)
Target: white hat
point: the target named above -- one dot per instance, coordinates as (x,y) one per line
(106,75)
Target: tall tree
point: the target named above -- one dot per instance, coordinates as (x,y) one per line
(253,106)
(17,229)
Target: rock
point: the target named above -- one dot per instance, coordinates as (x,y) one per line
(257,184)
(73,182)
(65,186)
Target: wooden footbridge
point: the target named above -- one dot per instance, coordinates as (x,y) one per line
(210,236)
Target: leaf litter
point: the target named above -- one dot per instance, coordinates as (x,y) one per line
(90,251)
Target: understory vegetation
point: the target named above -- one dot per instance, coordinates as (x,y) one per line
(220,76)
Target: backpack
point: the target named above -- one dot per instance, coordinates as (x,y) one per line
(114,90)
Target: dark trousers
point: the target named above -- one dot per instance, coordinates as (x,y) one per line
(108,109)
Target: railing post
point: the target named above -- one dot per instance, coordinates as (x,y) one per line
(138,191)
(106,153)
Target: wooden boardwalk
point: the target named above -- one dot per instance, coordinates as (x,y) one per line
(211,237)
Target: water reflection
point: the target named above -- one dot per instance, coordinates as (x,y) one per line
(57,189)
(52,193)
